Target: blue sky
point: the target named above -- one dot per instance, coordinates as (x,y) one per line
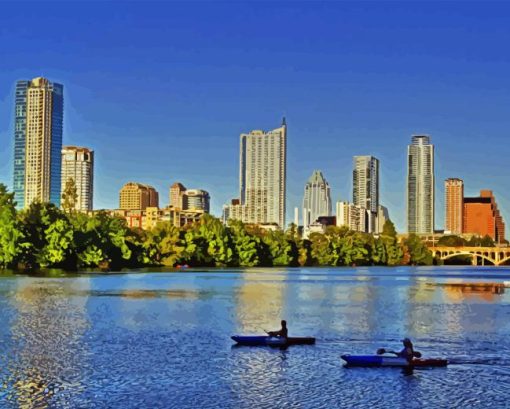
(161,91)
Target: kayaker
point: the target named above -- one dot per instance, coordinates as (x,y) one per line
(408,351)
(282,333)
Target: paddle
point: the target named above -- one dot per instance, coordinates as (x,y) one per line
(380,351)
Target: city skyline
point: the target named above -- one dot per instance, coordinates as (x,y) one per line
(456,94)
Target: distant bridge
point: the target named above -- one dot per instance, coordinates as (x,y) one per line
(494,255)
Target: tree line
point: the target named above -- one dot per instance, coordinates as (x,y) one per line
(44,236)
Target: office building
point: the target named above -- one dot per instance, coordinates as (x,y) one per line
(365,187)
(177,195)
(382,217)
(352,216)
(454,205)
(78,165)
(137,196)
(317,199)
(39,110)
(420,185)
(263,176)
(197,199)
(189,199)
(482,217)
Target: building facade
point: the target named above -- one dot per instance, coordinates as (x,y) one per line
(39,112)
(454,205)
(149,217)
(482,217)
(137,196)
(383,216)
(365,187)
(78,165)
(177,195)
(263,170)
(352,216)
(420,185)
(197,199)
(317,199)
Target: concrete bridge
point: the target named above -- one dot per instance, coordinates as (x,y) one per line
(494,255)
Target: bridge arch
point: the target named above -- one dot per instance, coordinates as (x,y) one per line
(470,254)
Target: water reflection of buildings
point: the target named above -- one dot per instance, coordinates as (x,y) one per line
(421,318)
(47,363)
(460,291)
(260,300)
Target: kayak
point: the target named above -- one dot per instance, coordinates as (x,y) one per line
(264,340)
(379,360)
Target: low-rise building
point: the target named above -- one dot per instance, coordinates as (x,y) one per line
(149,217)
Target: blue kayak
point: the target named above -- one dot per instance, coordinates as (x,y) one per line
(382,360)
(265,340)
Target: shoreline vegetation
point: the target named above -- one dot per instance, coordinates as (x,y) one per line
(45,237)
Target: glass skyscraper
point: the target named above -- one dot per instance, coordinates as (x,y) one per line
(38,128)
(420,185)
(317,199)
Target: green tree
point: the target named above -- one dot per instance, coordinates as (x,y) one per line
(162,245)
(247,246)
(451,241)
(281,251)
(11,237)
(208,243)
(393,249)
(418,252)
(69,196)
(49,237)
(477,241)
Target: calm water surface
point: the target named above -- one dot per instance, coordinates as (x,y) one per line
(162,340)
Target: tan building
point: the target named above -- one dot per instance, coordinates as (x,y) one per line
(454,205)
(177,198)
(39,160)
(148,218)
(352,216)
(263,169)
(137,196)
(78,165)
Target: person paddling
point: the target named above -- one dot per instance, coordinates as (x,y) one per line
(407,353)
(282,333)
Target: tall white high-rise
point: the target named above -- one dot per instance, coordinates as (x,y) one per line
(38,141)
(263,158)
(420,185)
(365,187)
(317,199)
(78,165)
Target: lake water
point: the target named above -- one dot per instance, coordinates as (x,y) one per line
(162,340)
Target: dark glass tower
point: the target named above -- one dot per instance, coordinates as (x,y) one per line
(20,122)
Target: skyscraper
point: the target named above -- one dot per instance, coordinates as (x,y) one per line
(454,205)
(38,125)
(78,165)
(365,187)
(263,158)
(420,185)
(317,199)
